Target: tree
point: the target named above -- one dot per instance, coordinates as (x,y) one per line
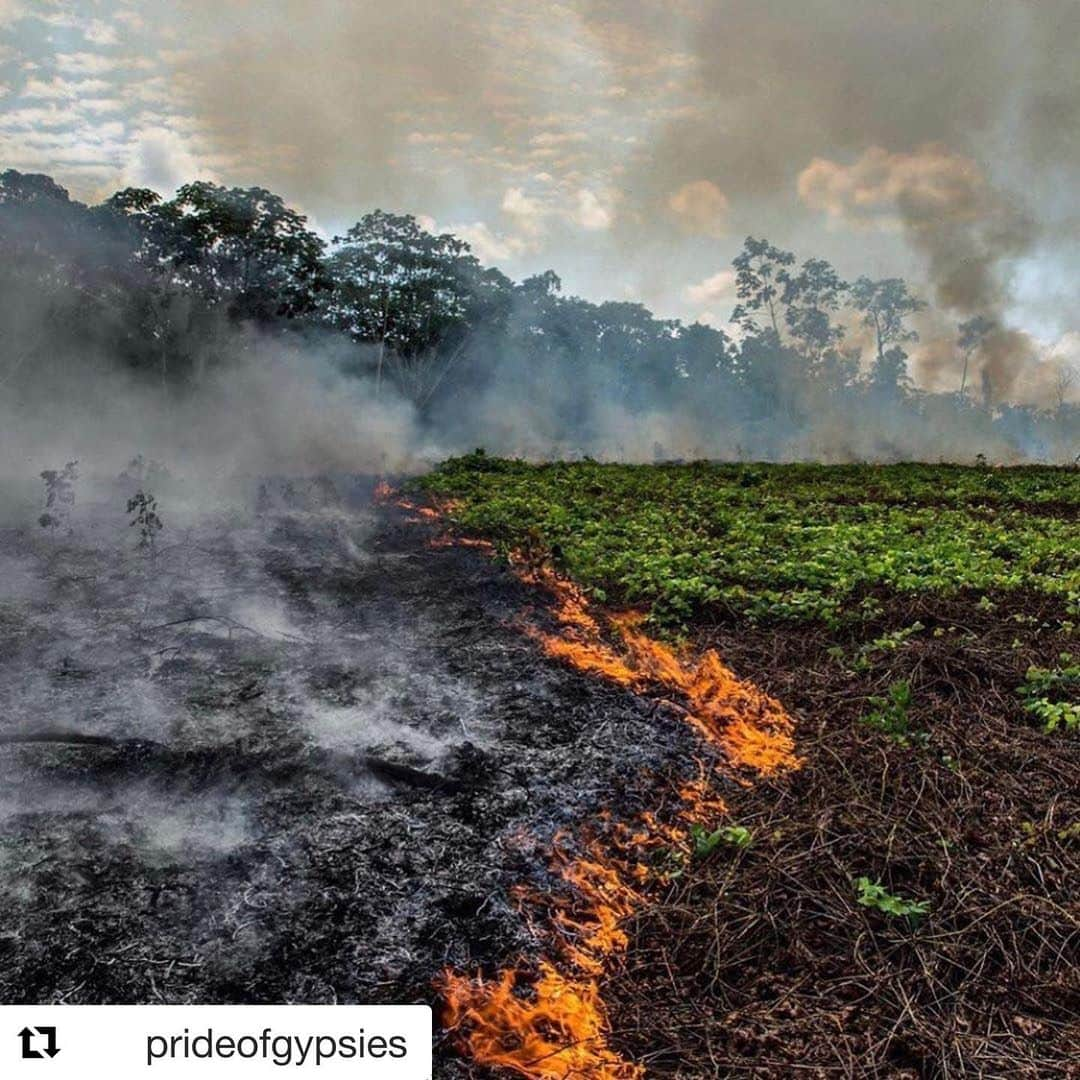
(412,294)
(704,356)
(970,337)
(1065,378)
(884,305)
(761,276)
(242,248)
(811,297)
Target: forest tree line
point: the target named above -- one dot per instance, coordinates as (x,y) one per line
(152,283)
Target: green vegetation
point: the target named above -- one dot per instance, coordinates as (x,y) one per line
(705,842)
(778,543)
(1047,693)
(890,716)
(874,895)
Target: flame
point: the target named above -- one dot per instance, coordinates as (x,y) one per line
(752,728)
(556,1033)
(552,1024)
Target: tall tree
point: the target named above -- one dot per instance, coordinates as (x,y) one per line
(970,337)
(884,306)
(811,297)
(761,275)
(412,294)
(244,248)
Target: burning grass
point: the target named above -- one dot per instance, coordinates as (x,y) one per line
(554,1026)
(905,907)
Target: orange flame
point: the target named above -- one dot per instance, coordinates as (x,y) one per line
(751,727)
(556,1034)
(556,1026)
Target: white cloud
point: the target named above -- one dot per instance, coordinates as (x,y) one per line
(527,212)
(57,88)
(35,117)
(98,32)
(718,286)
(85,63)
(162,159)
(594,211)
(102,105)
(487,246)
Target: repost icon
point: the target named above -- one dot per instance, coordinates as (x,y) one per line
(38,1042)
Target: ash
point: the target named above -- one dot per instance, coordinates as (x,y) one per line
(314,755)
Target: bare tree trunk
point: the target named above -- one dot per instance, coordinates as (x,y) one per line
(963,377)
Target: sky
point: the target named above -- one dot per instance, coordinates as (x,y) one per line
(630,146)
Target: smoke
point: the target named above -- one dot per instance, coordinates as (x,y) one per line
(967,231)
(269,406)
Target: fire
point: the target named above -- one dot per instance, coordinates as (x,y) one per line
(553,1025)
(555,1033)
(752,728)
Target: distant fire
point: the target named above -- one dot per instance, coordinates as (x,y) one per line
(548,1021)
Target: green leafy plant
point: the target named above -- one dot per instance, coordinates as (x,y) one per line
(886,643)
(872,894)
(1047,693)
(705,842)
(890,716)
(796,544)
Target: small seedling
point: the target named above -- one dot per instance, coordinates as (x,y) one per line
(59,495)
(141,474)
(146,519)
(705,842)
(890,715)
(874,895)
(1047,691)
(889,642)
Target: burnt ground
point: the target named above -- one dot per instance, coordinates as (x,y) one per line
(316,744)
(761,963)
(320,744)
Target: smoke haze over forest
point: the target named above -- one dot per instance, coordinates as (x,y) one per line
(630,148)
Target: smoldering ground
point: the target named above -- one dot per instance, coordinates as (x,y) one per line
(283,753)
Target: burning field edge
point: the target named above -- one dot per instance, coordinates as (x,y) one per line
(545,1018)
(776,950)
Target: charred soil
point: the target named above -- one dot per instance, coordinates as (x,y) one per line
(316,745)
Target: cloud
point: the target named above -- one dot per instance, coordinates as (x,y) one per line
(98,32)
(700,207)
(61,89)
(558,138)
(487,246)
(162,159)
(438,138)
(594,211)
(718,286)
(85,63)
(527,212)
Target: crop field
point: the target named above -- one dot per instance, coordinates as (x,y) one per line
(779,543)
(900,898)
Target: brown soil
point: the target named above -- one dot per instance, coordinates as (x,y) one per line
(762,963)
